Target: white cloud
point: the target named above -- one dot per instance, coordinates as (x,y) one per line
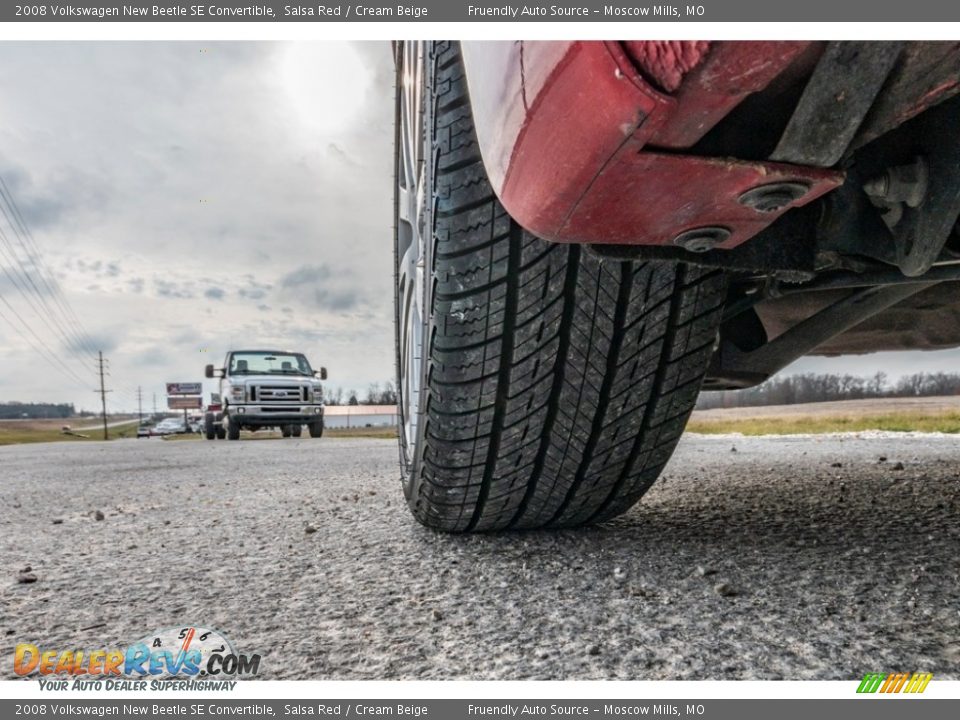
(173,187)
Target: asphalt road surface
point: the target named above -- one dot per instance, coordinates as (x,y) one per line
(788,558)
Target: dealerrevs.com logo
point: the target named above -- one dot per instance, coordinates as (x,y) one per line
(180,658)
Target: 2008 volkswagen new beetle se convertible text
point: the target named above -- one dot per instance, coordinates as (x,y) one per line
(589,233)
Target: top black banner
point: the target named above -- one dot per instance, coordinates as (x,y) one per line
(461,11)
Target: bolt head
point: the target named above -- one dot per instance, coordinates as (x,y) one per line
(773,196)
(701,240)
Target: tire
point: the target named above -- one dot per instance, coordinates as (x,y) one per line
(296,430)
(316,429)
(286,431)
(221,432)
(233,428)
(555,384)
(209,428)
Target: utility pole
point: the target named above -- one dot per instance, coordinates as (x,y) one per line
(103,397)
(154,405)
(139,406)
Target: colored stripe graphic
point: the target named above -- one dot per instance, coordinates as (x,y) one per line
(894,683)
(918,683)
(871,682)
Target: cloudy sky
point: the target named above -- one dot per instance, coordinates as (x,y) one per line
(193,197)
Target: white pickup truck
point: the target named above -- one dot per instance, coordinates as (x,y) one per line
(267,389)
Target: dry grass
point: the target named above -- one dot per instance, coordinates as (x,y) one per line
(16,432)
(383,433)
(902,421)
(17,436)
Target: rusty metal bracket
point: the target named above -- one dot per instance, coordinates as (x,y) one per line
(697,203)
(834,103)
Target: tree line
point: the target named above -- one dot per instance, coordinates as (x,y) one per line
(825,387)
(13,410)
(376,394)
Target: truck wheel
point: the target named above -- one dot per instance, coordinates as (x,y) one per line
(286,431)
(296,430)
(233,428)
(209,428)
(316,429)
(554,384)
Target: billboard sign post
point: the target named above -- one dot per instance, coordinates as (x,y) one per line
(185,396)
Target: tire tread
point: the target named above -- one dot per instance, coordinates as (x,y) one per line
(558,382)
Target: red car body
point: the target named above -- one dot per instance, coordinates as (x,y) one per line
(610,126)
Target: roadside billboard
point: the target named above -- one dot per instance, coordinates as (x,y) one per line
(184,403)
(185,388)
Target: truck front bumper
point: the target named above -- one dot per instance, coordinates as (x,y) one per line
(265,415)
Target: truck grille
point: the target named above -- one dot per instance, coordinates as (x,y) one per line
(278,393)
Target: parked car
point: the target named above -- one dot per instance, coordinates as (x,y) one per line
(588,233)
(170,426)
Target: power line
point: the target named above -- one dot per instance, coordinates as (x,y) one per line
(18,283)
(37,285)
(24,282)
(46,318)
(65,328)
(25,237)
(43,350)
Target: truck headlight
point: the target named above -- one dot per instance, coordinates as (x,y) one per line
(236,392)
(318,392)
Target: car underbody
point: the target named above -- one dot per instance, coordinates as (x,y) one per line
(824,177)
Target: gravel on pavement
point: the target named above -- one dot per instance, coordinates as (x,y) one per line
(751,558)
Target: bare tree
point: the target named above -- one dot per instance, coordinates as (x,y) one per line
(373,394)
(877,384)
(811,387)
(389,394)
(911,385)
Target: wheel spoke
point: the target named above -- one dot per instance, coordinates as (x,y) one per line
(411,231)
(405,207)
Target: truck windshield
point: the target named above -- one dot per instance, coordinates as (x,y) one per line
(265,363)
